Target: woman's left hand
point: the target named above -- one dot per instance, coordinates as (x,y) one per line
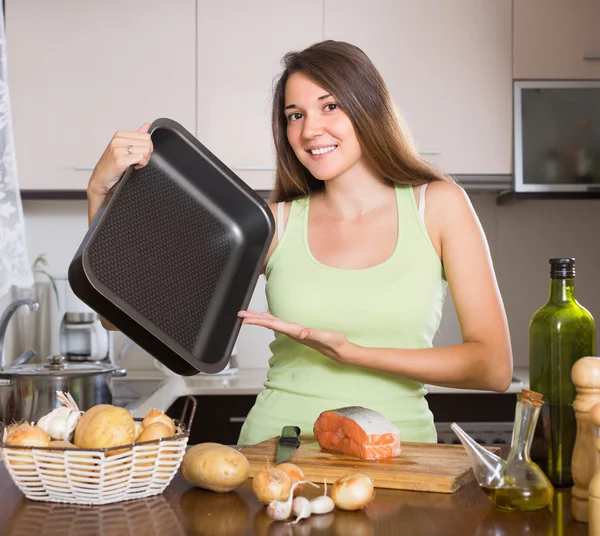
(332,344)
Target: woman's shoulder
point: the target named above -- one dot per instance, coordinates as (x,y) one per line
(448,209)
(447,197)
(287,205)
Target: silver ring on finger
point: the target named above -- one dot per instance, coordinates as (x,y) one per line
(129,149)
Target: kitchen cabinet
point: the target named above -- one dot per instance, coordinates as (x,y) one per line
(79,71)
(554,39)
(240,47)
(448,66)
(219,418)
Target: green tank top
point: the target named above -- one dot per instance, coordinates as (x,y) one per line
(395,304)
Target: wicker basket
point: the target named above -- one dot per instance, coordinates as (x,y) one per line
(99,476)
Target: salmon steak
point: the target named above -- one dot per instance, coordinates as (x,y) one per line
(359,432)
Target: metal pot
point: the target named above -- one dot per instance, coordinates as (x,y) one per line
(28,392)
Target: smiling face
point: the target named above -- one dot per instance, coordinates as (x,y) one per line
(318,130)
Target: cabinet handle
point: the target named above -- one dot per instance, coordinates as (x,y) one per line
(254,168)
(430,153)
(237,419)
(591,57)
(83,168)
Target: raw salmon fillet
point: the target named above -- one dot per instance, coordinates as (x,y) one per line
(359,432)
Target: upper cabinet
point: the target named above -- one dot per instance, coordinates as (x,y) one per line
(240,48)
(556,39)
(448,66)
(79,71)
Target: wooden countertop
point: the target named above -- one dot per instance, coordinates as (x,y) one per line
(183,510)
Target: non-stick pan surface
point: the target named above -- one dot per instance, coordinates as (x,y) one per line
(175,252)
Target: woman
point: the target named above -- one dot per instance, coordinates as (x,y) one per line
(367,237)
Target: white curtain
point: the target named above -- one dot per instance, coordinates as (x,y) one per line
(14,260)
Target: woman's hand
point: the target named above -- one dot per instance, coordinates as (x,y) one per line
(127,148)
(330,343)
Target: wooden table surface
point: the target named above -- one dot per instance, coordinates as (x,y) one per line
(185,510)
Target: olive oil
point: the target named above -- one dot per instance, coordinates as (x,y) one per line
(560,333)
(516,483)
(521,499)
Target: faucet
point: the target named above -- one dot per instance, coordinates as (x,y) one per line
(6,316)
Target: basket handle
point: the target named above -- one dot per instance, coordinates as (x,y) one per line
(189,401)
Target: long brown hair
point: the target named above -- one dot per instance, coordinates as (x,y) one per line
(346,72)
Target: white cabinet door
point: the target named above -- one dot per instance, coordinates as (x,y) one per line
(448,67)
(79,71)
(240,47)
(556,39)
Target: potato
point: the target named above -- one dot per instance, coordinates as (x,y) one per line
(153,432)
(201,447)
(105,426)
(216,468)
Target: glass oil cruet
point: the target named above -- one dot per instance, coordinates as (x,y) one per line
(516,483)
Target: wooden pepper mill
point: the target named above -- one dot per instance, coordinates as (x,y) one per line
(594,489)
(586,458)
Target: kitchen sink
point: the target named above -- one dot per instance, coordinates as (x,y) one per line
(127,393)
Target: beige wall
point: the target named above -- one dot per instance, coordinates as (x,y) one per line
(522,238)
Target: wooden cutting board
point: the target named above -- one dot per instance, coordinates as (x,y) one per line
(420,467)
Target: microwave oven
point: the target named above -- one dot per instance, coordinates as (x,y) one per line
(557,136)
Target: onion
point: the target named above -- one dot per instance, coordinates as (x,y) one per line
(353,492)
(271,484)
(26,435)
(155,415)
(138,429)
(295,473)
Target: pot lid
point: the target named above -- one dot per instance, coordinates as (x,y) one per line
(57,365)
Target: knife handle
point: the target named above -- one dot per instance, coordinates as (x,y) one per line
(290,435)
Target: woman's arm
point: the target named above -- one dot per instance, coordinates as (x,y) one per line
(484,359)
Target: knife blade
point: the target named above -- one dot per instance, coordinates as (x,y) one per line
(289,441)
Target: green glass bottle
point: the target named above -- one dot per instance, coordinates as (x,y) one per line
(560,333)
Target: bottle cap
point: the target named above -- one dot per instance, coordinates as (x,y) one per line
(562,268)
(531,397)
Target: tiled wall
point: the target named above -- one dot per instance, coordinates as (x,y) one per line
(522,237)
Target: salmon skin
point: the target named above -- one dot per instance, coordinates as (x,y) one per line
(359,432)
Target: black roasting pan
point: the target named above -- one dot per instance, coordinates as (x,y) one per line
(175,252)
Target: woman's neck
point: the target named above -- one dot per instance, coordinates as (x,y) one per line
(356,193)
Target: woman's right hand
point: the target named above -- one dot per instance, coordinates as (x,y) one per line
(127,148)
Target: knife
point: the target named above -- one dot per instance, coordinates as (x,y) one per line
(289,441)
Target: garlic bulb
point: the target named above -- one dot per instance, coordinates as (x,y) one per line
(60,422)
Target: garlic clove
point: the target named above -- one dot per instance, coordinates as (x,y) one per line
(301,509)
(322,504)
(278,510)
